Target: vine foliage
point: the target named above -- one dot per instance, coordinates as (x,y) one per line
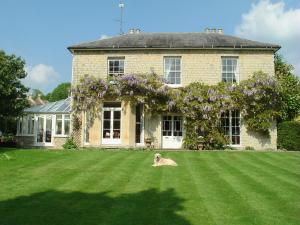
(202,105)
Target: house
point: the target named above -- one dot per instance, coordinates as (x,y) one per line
(46,125)
(182,58)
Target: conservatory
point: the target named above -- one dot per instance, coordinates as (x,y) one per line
(46,125)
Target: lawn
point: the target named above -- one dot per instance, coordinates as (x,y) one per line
(93,187)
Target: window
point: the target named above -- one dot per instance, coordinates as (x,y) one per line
(116,66)
(230,123)
(230,70)
(172,70)
(62,125)
(58,129)
(30,125)
(20,125)
(67,124)
(172,126)
(139,123)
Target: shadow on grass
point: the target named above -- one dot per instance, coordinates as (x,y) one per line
(150,207)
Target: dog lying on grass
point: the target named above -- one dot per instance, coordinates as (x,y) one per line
(160,161)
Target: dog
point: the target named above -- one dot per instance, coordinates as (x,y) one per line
(159,161)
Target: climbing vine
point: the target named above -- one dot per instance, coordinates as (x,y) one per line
(202,105)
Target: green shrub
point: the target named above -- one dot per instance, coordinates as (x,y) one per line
(70,144)
(249,148)
(288,136)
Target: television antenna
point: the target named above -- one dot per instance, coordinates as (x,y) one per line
(121,6)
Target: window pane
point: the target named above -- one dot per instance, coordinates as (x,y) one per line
(106,115)
(117,115)
(58,128)
(67,127)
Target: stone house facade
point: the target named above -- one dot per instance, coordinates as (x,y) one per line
(182,58)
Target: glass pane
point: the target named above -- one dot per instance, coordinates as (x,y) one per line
(106,133)
(40,129)
(48,128)
(58,126)
(106,115)
(117,115)
(67,127)
(106,124)
(116,134)
(116,124)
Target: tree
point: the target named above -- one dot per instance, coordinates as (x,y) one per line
(13,97)
(289,87)
(59,93)
(35,93)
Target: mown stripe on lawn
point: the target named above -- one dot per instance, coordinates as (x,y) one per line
(221,201)
(49,176)
(292,165)
(271,166)
(85,172)
(112,174)
(188,187)
(257,192)
(270,173)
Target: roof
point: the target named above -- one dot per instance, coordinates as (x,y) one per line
(173,41)
(62,106)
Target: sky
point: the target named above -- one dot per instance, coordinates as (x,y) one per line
(40,31)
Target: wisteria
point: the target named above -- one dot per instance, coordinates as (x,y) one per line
(202,105)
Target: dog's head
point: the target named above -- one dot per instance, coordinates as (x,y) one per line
(157,157)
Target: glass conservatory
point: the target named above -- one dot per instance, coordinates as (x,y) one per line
(45,125)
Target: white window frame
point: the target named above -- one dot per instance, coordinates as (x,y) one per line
(115,58)
(230,129)
(237,71)
(53,121)
(111,141)
(63,125)
(165,75)
(142,142)
(22,125)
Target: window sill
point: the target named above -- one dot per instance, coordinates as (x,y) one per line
(174,85)
(24,135)
(60,136)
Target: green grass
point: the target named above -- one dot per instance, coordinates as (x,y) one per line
(40,187)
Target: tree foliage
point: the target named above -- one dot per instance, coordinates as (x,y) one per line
(60,92)
(289,88)
(12,91)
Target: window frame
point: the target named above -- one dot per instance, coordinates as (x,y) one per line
(115,58)
(174,71)
(236,74)
(63,119)
(230,127)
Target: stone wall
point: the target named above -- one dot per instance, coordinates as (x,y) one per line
(197,66)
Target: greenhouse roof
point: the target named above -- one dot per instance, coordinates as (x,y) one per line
(62,106)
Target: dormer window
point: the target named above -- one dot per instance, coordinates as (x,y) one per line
(172,70)
(116,66)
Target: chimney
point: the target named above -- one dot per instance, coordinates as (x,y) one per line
(213,30)
(134,31)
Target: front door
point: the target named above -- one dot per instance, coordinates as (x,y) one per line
(172,132)
(44,130)
(111,132)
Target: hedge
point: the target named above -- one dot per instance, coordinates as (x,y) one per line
(288,135)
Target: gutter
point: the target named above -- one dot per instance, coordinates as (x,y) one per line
(117,48)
